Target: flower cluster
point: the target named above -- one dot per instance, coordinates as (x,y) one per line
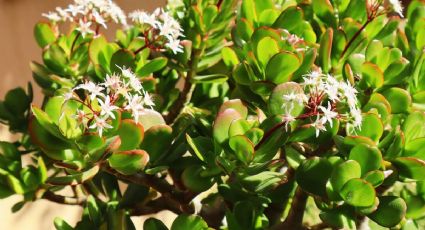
(376,7)
(119,92)
(89,14)
(160,29)
(322,93)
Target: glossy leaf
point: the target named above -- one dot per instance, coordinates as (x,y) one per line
(281,67)
(358,192)
(129,162)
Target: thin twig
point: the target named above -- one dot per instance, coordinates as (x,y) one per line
(75,41)
(355,36)
(154,206)
(160,185)
(186,93)
(48,195)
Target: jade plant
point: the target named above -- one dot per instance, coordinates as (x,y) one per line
(232,114)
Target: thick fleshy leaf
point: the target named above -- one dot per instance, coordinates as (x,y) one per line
(211,78)
(391,210)
(229,57)
(235,104)
(372,76)
(154,224)
(266,48)
(324,10)
(243,148)
(157,141)
(369,158)
(413,127)
(44,34)
(153,66)
(222,124)
(277,103)
(184,222)
(416,148)
(325,50)
(194,181)
(74,179)
(41,137)
(371,127)
(131,134)
(344,172)
(61,224)
(375,177)
(410,167)
(358,192)
(149,118)
(16,101)
(129,162)
(261,181)
(313,174)
(281,67)
(201,147)
(120,59)
(47,123)
(399,99)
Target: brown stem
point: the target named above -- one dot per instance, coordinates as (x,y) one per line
(48,195)
(141,48)
(294,220)
(188,88)
(369,20)
(268,134)
(219,3)
(160,185)
(319,226)
(155,206)
(75,41)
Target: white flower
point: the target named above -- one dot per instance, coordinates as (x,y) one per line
(63,14)
(112,82)
(174,45)
(147,100)
(92,88)
(99,19)
(69,95)
(319,125)
(135,84)
(349,93)
(397,7)
(74,10)
(52,16)
(387,173)
(84,28)
(331,88)
(107,108)
(141,17)
(328,114)
(100,124)
(80,117)
(135,105)
(126,72)
(295,97)
(287,118)
(356,114)
(293,39)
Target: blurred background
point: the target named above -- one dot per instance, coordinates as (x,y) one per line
(17,49)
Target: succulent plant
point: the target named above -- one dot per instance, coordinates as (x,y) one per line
(232,114)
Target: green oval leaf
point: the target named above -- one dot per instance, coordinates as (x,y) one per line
(129,162)
(281,67)
(358,192)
